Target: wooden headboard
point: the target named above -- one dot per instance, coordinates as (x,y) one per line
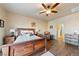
(25,30)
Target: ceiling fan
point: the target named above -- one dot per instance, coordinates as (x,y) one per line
(48,9)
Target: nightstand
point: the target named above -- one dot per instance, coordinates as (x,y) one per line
(8,39)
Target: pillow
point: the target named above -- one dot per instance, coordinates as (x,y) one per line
(31,34)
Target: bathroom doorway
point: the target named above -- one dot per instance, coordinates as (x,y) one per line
(59,31)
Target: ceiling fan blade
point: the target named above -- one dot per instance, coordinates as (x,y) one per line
(42,12)
(54,11)
(44,5)
(55,5)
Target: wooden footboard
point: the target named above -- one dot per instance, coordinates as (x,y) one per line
(24,48)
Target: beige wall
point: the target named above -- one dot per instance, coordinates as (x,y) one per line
(19,21)
(2,30)
(70,22)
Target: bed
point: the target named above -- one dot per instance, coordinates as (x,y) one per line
(24,45)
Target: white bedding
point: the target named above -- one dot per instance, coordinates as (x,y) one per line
(26,37)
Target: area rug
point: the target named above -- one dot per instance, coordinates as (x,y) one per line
(47,54)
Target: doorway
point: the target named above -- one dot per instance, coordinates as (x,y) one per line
(59,32)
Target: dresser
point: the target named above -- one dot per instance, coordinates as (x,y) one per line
(72,39)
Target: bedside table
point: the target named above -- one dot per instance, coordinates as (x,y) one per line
(8,39)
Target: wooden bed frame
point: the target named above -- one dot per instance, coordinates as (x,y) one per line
(24,48)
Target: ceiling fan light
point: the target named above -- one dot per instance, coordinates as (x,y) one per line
(48,11)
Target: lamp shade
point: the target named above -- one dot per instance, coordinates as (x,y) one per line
(46,32)
(12,30)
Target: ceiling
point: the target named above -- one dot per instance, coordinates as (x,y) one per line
(33,9)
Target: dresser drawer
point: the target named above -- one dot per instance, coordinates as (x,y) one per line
(74,43)
(72,39)
(71,36)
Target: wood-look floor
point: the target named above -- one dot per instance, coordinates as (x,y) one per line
(61,49)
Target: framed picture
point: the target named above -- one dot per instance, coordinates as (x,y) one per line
(1,23)
(51,26)
(33,24)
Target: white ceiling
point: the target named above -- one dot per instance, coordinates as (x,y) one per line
(33,9)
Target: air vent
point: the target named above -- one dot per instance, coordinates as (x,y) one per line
(75,9)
